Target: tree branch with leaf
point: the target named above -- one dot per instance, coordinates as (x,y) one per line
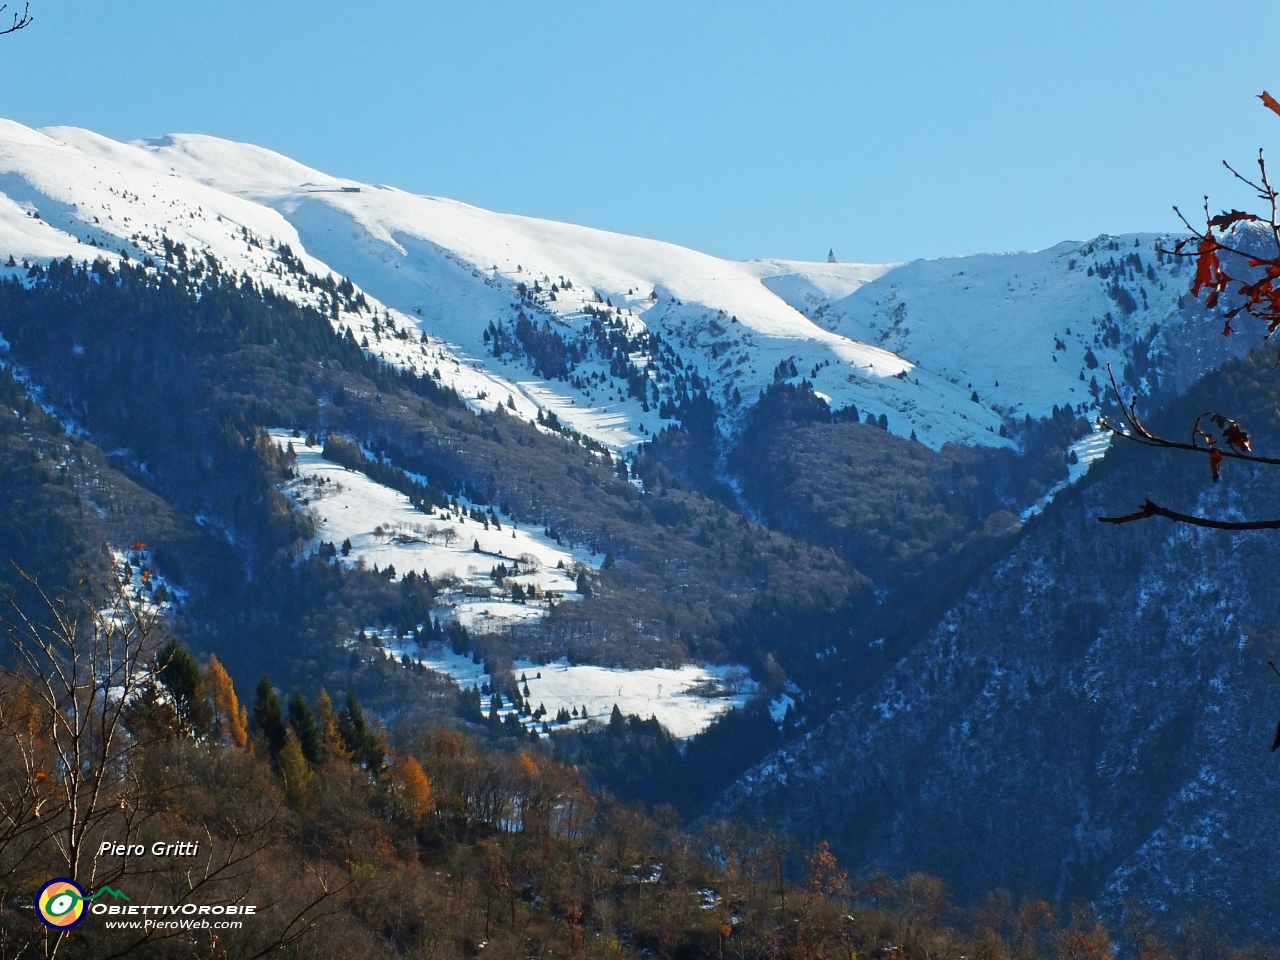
(1225,266)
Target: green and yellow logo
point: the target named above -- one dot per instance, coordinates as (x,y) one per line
(60,902)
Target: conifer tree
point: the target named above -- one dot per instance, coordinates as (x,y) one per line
(268,719)
(229,719)
(358,736)
(178,671)
(303,723)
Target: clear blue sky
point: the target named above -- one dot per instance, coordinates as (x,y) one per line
(888,131)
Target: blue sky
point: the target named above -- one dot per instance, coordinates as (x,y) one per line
(888,131)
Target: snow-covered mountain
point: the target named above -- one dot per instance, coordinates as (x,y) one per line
(1064,313)
(612,334)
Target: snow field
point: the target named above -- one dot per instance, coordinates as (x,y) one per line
(456,269)
(1024,331)
(453,269)
(385,529)
(686,700)
(69,192)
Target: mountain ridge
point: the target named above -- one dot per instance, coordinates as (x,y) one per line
(618,332)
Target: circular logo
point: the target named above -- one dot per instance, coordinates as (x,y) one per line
(60,903)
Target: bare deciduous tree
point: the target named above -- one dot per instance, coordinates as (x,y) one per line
(79,664)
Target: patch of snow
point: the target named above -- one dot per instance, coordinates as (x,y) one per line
(686,700)
(778,708)
(456,551)
(1087,451)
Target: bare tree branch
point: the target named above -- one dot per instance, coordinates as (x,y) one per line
(20,21)
(1150,509)
(1138,432)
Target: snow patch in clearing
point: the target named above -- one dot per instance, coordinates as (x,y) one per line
(686,700)
(456,551)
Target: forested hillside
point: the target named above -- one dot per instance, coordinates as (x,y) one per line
(180,375)
(1092,717)
(176,376)
(62,503)
(330,839)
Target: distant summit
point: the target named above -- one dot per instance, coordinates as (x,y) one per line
(831,255)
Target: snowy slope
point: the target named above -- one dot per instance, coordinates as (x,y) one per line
(1030,330)
(457,552)
(69,192)
(457,269)
(610,333)
(810,287)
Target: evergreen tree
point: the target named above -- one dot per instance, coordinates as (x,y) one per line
(358,736)
(511,726)
(268,719)
(178,671)
(150,716)
(304,725)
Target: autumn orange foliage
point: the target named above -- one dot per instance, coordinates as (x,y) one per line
(230,719)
